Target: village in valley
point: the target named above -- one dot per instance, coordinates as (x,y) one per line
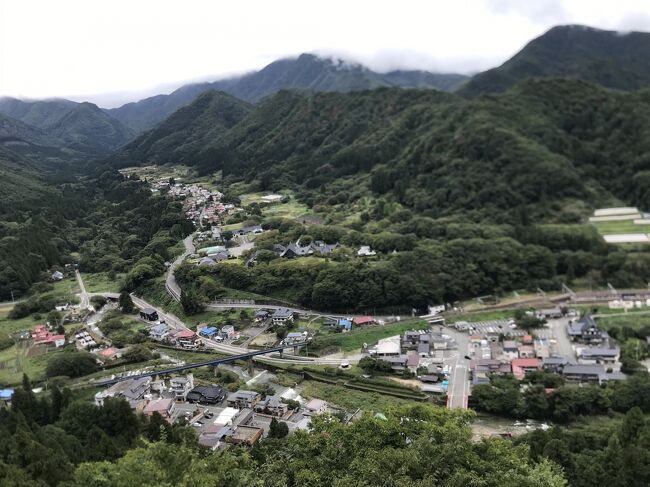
(245,370)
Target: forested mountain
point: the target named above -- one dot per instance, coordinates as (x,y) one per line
(77,127)
(87,127)
(38,113)
(608,58)
(541,143)
(307,72)
(188,130)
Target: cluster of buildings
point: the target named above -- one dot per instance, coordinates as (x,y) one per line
(242,417)
(41,335)
(413,350)
(84,341)
(161,332)
(346,324)
(595,359)
(226,332)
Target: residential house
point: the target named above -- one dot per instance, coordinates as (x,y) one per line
(490,366)
(364,320)
(206,261)
(180,387)
(215,435)
(272,405)
(526,351)
(213,394)
(398,363)
(261,315)
(550,313)
(149,314)
(282,316)
(219,256)
(187,339)
(159,332)
(412,361)
(345,324)
(108,354)
(366,251)
(411,339)
(586,330)
(245,435)
(42,336)
(521,366)
(315,407)
(322,248)
(209,331)
(387,347)
(133,390)
(599,355)
(227,332)
(541,348)
(243,399)
(295,338)
(511,349)
(162,406)
(555,364)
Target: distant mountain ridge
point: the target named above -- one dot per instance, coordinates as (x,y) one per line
(306,72)
(607,58)
(82,127)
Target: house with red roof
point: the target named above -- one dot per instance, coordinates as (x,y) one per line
(109,354)
(42,336)
(364,320)
(521,366)
(164,407)
(187,339)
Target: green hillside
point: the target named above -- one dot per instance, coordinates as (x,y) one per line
(541,146)
(608,58)
(87,128)
(188,130)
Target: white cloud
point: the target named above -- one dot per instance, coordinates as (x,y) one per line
(127,48)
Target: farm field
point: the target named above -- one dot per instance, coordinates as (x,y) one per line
(354,340)
(100,282)
(9,326)
(15,361)
(349,398)
(620,226)
(632,320)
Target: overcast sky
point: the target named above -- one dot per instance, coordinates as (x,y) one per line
(113,51)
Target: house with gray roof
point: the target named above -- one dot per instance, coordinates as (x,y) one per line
(133,390)
(555,364)
(586,330)
(281,316)
(243,399)
(594,374)
(599,355)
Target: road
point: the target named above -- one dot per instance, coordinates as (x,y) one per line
(459,387)
(83,295)
(556,330)
(177,324)
(170,282)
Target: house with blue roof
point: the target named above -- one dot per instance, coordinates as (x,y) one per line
(209,331)
(345,324)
